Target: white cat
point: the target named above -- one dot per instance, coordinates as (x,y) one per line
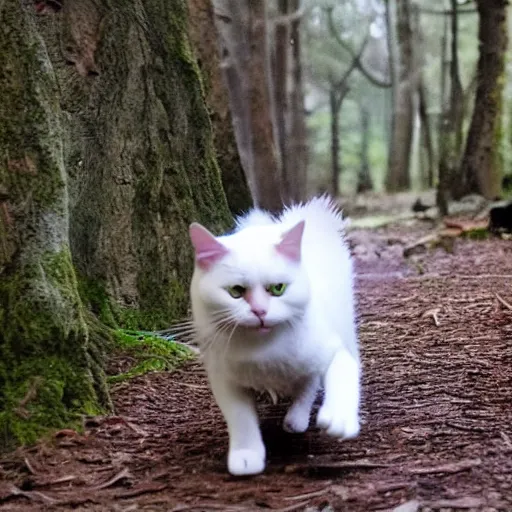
(273,310)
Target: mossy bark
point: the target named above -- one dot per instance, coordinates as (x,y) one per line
(204,39)
(139,153)
(482,164)
(50,372)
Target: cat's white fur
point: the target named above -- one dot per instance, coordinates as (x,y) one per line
(312,339)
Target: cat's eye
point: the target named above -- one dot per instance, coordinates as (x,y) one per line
(236,291)
(276,289)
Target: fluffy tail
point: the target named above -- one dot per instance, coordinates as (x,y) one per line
(320,212)
(255,217)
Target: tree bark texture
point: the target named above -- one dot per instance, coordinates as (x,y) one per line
(202,33)
(403,116)
(482,164)
(139,153)
(242,30)
(50,368)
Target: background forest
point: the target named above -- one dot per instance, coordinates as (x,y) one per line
(121,123)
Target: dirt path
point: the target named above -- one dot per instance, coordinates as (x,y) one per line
(437,413)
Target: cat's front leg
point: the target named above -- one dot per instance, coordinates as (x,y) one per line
(297,417)
(246,449)
(339,414)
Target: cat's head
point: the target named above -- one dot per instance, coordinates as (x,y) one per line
(253,278)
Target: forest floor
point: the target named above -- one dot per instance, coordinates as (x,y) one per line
(436,343)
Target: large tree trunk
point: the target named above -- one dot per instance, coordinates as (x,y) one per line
(242,29)
(398,172)
(202,33)
(48,374)
(482,164)
(140,155)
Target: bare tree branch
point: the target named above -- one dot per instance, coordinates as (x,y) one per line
(356,58)
(353,64)
(288,18)
(447,12)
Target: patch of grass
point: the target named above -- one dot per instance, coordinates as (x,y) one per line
(477,234)
(146,353)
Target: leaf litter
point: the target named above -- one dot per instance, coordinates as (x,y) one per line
(436,343)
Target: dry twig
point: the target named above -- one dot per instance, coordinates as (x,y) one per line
(124,473)
(503,301)
(450,468)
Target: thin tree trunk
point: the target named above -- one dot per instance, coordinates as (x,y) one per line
(297,143)
(364,179)
(426,149)
(46,351)
(335,144)
(451,125)
(242,29)
(141,159)
(426,137)
(201,21)
(398,173)
(280,87)
(336,96)
(482,164)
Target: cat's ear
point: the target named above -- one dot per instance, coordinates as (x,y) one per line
(290,244)
(208,249)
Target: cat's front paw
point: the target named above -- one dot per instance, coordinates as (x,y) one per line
(296,421)
(338,423)
(246,462)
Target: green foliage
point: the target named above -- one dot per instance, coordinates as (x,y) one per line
(149,353)
(95,297)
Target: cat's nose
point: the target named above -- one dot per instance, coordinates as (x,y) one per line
(259,312)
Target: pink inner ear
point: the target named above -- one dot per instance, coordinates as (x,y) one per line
(208,249)
(290,245)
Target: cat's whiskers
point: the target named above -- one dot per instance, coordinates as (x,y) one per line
(226,348)
(219,327)
(212,341)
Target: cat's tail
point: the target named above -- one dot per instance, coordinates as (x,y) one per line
(320,213)
(254,217)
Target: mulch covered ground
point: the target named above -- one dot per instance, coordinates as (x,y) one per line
(436,337)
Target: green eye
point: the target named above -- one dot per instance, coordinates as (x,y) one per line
(236,291)
(276,289)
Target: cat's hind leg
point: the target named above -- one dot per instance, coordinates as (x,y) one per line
(246,449)
(297,417)
(339,414)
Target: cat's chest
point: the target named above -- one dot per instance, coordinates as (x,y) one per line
(277,377)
